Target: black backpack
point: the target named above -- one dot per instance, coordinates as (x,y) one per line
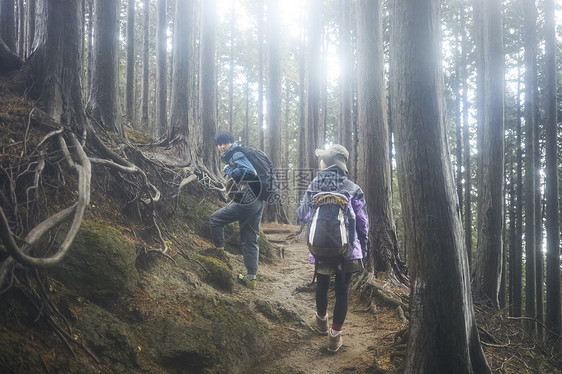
(331,229)
(269,189)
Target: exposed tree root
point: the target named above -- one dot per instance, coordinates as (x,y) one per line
(372,289)
(19,253)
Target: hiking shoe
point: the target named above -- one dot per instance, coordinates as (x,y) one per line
(243,279)
(318,325)
(335,342)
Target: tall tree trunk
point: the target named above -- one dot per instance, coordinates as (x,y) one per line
(273,132)
(518,252)
(261,15)
(103,103)
(52,72)
(443,336)
(145,65)
(161,69)
(180,128)
(466,142)
(345,79)
(21,28)
(7,24)
(231,69)
(90,41)
(301,139)
(208,81)
(246,135)
(130,82)
(530,126)
(458,132)
(512,238)
(286,139)
(553,304)
(30,28)
(373,144)
(312,126)
(488,270)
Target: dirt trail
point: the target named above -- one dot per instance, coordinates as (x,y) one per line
(285,293)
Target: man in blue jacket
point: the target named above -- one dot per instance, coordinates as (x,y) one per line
(246,208)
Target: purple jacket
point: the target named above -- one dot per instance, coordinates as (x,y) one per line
(332,179)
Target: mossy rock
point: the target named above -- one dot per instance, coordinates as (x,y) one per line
(233,244)
(109,338)
(216,273)
(137,136)
(99,263)
(195,211)
(267,252)
(220,333)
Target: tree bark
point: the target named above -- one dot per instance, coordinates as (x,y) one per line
(208,81)
(90,42)
(273,130)
(530,126)
(261,22)
(231,69)
(52,72)
(21,5)
(145,65)
(7,24)
(553,304)
(518,250)
(488,270)
(30,26)
(443,336)
(302,155)
(161,112)
(466,143)
(103,103)
(312,79)
(345,79)
(373,144)
(130,80)
(180,128)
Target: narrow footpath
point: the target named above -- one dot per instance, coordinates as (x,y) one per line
(285,296)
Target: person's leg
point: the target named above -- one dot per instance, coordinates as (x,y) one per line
(319,322)
(342,295)
(340,311)
(322,286)
(219,219)
(250,219)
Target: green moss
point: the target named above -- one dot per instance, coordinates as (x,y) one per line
(267,253)
(220,333)
(195,212)
(216,273)
(137,136)
(100,261)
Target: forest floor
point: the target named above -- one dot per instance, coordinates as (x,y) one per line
(296,348)
(370,328)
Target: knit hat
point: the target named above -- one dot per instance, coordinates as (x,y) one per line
(334,155)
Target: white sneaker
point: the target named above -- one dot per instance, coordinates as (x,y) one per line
(335,342)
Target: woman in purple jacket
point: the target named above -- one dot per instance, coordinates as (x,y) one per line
(332,177)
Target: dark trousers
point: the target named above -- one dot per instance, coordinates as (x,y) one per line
(342,294)
(248,216)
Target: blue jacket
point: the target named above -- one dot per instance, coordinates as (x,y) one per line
(239,167)
(332,179)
